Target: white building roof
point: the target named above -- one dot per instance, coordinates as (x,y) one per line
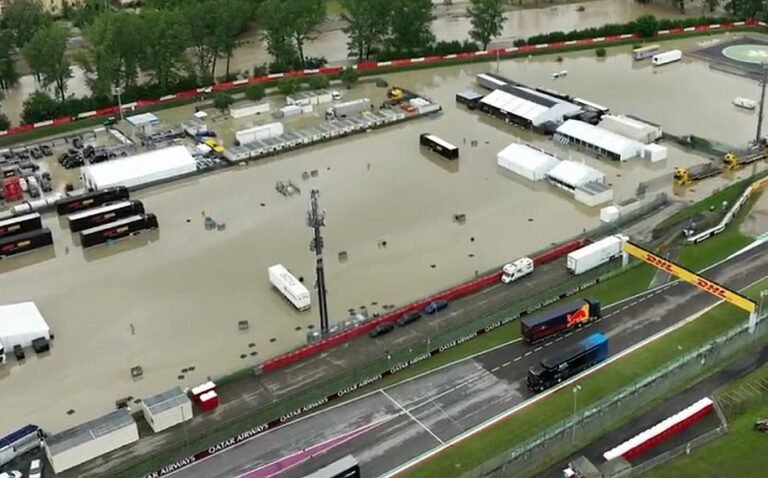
(521,158)
(22,319)
(601,138)
(141,168)
(171,399)
(574,174)
(514,105)
(143,119)
(531,105)
(89,431)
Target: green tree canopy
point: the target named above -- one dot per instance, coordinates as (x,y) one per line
(46,55)
(165,39)
(487,18)
(410,25)
(24,18)
(255,92)
(367,24)
(8,74)
(5,123)
(289,24)
(222,100)
(39,106)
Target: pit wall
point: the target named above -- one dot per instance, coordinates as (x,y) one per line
(373,67)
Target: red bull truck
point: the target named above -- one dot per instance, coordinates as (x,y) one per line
(559,320)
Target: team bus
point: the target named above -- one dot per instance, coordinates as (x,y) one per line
(82,220)
(645,52)
(347,467)
(93,199)
(25,242)
(119,229)
(443,148)
(19,224)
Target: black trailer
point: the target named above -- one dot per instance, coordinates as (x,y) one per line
(119,229)
(19,224)
(25,242)
(553,322)
(568,362)
(439,146)
(93,199)
(89,218)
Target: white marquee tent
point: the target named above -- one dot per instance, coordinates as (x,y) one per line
(526,161)
(140,169)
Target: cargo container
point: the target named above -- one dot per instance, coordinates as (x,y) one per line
(667,57)
(89,218)
(257,133)
(19,224)
(595,254)
(568,362)
(342,110)
(119,229)
(88,200)
(560,319)
(289,286)
(25,242)
(439,146)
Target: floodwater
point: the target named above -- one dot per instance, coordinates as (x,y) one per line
(449,24)
(172,299)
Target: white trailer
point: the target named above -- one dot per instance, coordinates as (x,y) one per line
(266,131)
(20,324)
(517,269)
(595,254)
(289,286)
(242,109)
(670,56)
(342,110)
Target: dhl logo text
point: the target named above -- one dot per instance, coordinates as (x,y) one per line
(712,288)
(659,262)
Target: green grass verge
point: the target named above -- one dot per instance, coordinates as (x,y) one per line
(518,428)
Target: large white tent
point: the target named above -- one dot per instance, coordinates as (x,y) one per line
(600,140)
(569,175)
(526,161)
(20,324)
(140,169)
(631,128)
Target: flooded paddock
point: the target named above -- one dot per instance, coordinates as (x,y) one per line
(170,301)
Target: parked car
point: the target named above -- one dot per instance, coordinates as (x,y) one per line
(381,329)
(408,318)
(47,150)
(11,474)
(36,469)
(436,306)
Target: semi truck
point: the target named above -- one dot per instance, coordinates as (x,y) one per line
(595,254)
(289,286)
(119,229)
(19,224)
(93,199)
(517,269)
(89,218)
(568,362)
(342,110)
(25,242)
(558,320)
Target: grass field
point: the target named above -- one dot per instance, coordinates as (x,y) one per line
(519,427)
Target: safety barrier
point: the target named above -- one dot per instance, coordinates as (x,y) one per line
(370,66)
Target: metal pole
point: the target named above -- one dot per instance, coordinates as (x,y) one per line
(575,395)
(762,103)
(316,220)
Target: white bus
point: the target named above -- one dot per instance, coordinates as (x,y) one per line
(645,52)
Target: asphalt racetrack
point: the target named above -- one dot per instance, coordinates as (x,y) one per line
(387,428)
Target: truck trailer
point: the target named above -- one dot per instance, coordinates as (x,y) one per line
(667,57)
(517,269)
(119,229)
(568,362)
(342,110)
(595,254)
(289,286)
(19,224)
(102,215)
(25,242)
(93,199)
(561,319)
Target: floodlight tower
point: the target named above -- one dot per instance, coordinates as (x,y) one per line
(316,220)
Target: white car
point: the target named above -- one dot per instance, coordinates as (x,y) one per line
(36,469)
(11,474)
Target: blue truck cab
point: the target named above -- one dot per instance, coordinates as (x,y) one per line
(568,362)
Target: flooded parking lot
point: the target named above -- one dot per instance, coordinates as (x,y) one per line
(172,300)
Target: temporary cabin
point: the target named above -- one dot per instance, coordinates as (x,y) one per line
(241,109)
(655,152)
(526,161)
(167,409)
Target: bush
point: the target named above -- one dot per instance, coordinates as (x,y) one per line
(40,106)
(349,76)
(600,52)
(222,101)
(315,62)
(287,85)
(5,123)
(440,48)
(647,26)
(255,92)
(318,82)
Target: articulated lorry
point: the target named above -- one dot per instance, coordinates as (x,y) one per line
(119,229)
(595,254)
(558,320)
(568,362)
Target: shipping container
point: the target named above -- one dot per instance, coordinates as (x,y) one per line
(568,362)
(439,146)
(88,200)
(119,229)
(595,254)
(558,320)
(19,224)
(667,57)
(289,286)
(89,218)
(645,52)
(25,242)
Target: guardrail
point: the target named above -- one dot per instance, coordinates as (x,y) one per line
(370,66)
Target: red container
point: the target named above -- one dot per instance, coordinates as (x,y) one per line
(12,189)
(209,401)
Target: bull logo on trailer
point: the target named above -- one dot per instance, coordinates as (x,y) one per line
(579,316)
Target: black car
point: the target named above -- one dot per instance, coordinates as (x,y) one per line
(381,329)
(47,150)
(36,153)
(436,306)
(73,162)
(408,318)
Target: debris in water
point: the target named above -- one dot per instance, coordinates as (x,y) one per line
(209,223)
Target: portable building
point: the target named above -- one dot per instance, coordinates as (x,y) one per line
(195,127)
(241,109)
(492,82)
(599,140)
(526,161)
(593,194)
(655,152)
(631,128)
(610,214)
(266,131)
(569,175)
(92,439)
(20,324)
(167,409)
(140,169)
(469,97)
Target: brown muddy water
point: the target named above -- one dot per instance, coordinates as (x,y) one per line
(172,300)
(449,24)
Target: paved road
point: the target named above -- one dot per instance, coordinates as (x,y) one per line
(406,420)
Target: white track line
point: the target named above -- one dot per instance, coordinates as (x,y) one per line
(412,417)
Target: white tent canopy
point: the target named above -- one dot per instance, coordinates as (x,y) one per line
(526,161)
(22,323)
(572,174)
(140,169)
(620,147)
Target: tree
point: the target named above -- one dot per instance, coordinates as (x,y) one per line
(39,106)
(318,82)
(647,26)
(5,123)
(165,39)
(349,76)
(287,85)
(24,18)
(712,4)
(277,32)
(222,101)
(367,24)
(233,19)
(202,20)
(296,20)
(8,74)
(255,92)
(46,55)
(487,18)
(410,24)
